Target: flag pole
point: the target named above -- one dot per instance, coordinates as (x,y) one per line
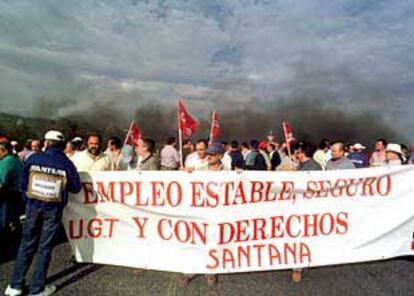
(211,128)
(180,134)
(180,140)
(129,131)
(286,139)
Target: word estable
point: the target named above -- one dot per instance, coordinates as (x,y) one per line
(209,194)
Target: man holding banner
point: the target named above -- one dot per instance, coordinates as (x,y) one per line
(215,154)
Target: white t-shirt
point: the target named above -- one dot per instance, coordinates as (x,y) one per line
(226,161)
(194,161)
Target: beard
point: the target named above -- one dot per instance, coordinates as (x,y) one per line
(94,151)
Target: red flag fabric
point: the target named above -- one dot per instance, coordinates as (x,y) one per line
(133,135)
(215,128)
(186,123)
(288,133)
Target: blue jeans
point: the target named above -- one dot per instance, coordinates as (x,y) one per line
(39,232)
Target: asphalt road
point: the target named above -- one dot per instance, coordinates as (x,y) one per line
(392,277)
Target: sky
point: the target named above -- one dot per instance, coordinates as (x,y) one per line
(353,55)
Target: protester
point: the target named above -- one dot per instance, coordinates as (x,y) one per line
(338,160)
(198,159)
(170,159)
(378,156)
(255,160)
(35,147)
(146,160)
(358,157)
(286,162)
(188,148)
(10,171)
(303,153)
(271,138)
(26,150)
(43,212)
(226,159)
(394,154)
(245,150)
(237,161)
(215,153)
(15,147)
(70,150)
(274,155)
(113,151)
(78,142)
(92,159)
(405,153)
(263,152)
(320,155)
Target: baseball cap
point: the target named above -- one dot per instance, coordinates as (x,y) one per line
(54,136)
(358,146)
(77,139)
(215,148)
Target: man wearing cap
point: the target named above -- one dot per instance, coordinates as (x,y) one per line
(358,157)
(214,157)
(394,154)
(47,178)
(10,170)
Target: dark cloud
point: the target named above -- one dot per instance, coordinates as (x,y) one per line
(353,56)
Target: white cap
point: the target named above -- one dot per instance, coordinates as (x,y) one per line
(14,143)
(396,148)
(77,139)
(358,146)
(54,136)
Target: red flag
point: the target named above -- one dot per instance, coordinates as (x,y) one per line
(186,124)
(215,128)
(288,133)
(133,135)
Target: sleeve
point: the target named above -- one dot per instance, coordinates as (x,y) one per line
(74,183)
(176,156)
(5,174)
(275,160)
(25,175)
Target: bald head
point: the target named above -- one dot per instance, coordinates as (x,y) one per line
(337,150)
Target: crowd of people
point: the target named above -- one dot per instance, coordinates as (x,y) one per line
(35,179)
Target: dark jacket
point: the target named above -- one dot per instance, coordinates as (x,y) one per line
(237,160)
(359,159)
(275,160)
(47,173)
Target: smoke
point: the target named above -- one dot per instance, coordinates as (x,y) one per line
(310,120)
(254,61)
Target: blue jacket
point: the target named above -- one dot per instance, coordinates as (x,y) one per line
(359,159)
(52,164)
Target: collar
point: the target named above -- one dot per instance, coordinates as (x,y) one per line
(52,150)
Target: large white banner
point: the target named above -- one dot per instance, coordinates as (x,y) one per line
(223,222)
